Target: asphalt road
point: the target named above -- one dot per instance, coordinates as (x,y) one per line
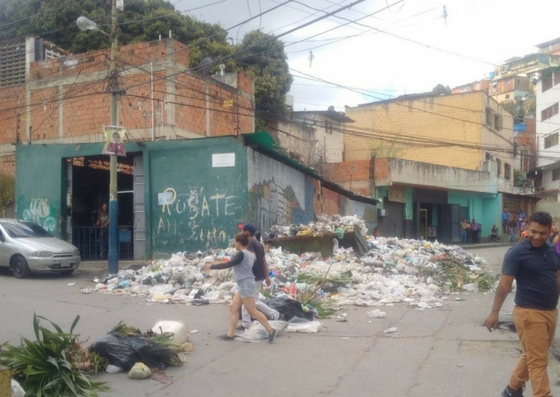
(443,352)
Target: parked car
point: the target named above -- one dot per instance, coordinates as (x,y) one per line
(26,247)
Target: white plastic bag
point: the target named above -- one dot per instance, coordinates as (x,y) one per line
(177,328)
(304,326)
(257,332)
(17,390)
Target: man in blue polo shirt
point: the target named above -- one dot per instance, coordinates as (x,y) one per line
(534,265)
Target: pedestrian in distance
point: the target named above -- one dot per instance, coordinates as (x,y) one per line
(494,234)
(505,221)
(475,231)
(261,273)
(534,265)
(463,231)
(511,226)
(520,218)
(242,264)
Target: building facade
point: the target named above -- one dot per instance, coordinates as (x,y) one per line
(433,160)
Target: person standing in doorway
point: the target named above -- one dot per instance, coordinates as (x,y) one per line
(103,236)
(533,264)
(505,221)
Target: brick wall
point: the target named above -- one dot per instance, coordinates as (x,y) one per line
(68,99)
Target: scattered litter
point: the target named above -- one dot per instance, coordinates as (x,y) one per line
(345,338)
(139,371)
(391,270)
(194,331)
(376,313)
(71,284)
(177,328)
(304,326)
(160,376)
(256,332)
(113,369)
(460,299)
(391,330)
(341,318)
(17,390)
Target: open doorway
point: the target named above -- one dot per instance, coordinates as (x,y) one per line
(87,191)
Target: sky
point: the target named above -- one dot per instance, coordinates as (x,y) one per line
(395,47)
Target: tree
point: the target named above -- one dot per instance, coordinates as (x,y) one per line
(440,89)
(263,57)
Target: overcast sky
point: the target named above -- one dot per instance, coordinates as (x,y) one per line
(465,46)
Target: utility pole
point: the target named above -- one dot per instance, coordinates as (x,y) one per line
(113,255)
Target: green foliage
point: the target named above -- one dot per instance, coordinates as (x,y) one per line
(7,190)
(441,89)
(262,56)
(45,367)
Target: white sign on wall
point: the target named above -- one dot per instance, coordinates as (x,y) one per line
(223,160)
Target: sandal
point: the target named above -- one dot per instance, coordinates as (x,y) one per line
(224,337)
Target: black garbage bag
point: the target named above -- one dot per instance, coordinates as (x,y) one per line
(125,351)
(290,308)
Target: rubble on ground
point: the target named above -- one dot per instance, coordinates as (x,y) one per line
(420,273)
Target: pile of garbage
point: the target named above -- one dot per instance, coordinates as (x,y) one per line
(420,273)
(325,224)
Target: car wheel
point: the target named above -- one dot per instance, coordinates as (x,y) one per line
(67,272)
(20,267)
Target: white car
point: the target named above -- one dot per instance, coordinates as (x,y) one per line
(26,247)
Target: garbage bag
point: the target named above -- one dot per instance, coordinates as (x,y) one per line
(124,352)
(290,308)
(257,331)
(139,371)
(17,390)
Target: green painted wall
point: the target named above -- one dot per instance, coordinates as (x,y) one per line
(41,181)
(486,209)
(207,201)
(409,205)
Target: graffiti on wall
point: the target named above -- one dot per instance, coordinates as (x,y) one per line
(195,217)
(275,205)
(40,212)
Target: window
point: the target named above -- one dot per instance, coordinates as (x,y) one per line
(546,83)
(556,174)
(551,140)
(507,96)
(499,164)
(498,122)
(549,112)
(507,171)
(328,127)
(490,117)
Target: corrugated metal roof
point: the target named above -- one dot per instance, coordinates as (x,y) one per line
(262,142)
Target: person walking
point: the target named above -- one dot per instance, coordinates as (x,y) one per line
(242,264)
(534,265)
(505,221)
(260,271)
(102,225)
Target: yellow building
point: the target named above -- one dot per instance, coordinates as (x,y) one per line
(460,130)
(433,160)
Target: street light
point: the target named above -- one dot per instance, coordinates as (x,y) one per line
(86,24)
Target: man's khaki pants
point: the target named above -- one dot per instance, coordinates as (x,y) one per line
(536,330)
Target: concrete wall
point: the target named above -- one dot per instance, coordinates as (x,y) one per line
(398,171)
(277,194)
(548,157)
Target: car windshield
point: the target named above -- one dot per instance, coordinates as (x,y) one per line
(24,230)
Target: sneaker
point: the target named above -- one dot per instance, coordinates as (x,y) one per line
(272,336)
(509,392)
(224,337)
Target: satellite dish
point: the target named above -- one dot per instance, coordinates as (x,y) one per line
(204,65)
